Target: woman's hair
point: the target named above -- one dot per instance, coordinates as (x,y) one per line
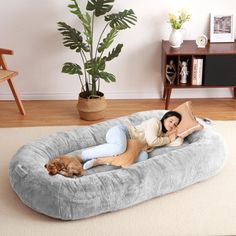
(169,114)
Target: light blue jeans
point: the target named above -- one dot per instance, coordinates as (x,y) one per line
(116,138)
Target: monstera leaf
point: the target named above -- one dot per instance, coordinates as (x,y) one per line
(121,20)
(108,77)
(71,68)
(115,52)
(108,40)
(100,7)
(95,66)
(72,38)
(84,18)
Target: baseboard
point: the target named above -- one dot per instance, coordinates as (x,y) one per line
(176,93)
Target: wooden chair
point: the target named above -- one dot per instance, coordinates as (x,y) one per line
(7,75)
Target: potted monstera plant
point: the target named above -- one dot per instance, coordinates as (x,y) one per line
(95,52)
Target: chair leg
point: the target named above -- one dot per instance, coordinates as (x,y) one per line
(17,99)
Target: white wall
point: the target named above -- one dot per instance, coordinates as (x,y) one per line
(29,28)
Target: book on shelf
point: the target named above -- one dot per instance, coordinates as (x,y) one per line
(194,72)
(197,71)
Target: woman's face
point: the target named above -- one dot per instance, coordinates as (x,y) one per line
(171,122)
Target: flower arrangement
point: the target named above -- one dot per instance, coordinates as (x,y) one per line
(177,21)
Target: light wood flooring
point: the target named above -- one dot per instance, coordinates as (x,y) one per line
(48,113)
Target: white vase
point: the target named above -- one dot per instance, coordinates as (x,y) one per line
(176,38)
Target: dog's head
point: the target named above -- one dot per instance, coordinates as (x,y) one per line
(54,167)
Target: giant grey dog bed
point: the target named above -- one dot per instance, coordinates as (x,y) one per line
(106,188)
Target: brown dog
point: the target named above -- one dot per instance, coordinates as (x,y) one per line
(65,165)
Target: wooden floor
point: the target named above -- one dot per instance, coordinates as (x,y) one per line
(48,113)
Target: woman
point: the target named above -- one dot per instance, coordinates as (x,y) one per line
(149,134)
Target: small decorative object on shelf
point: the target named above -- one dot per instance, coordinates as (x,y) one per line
(171,72)
(222,27)
(176,38)
(176,22)
(184,72)
(201,41)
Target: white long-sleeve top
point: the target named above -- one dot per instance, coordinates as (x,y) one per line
(149,132)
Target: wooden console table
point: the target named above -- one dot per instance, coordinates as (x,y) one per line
(218,68)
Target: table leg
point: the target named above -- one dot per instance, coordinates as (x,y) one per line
(168,94)
(164,93)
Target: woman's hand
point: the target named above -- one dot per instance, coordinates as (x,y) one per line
(174,130)
(172,135)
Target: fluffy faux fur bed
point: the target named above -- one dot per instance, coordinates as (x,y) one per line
(106,188)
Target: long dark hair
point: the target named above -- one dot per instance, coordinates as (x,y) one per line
(169,114)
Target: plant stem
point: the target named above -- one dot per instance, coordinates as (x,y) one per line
(83,56)
(93,86)
(92,27)
(85,59)
(99,85)
(81,83)
(100,39)
(96,51)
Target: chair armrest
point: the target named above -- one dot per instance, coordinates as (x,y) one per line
(6,51)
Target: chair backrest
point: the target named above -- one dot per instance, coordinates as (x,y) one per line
(6,75)
(3,51)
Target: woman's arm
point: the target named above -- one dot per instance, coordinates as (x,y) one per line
(153,134)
